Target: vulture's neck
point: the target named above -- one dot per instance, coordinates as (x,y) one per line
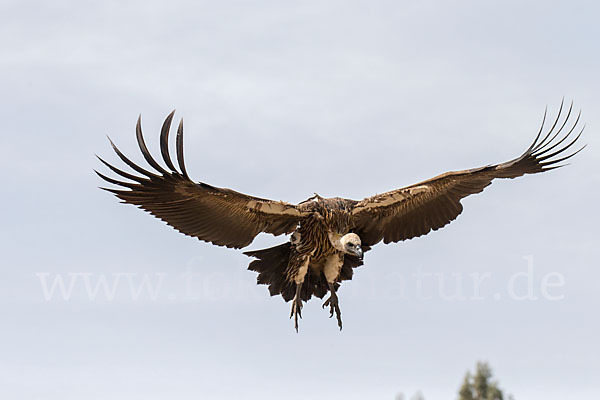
(335,239)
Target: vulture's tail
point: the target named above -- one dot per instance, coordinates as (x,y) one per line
(271,264)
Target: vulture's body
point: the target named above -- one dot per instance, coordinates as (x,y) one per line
(327,236)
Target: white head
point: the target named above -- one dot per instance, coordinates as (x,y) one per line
(350,244)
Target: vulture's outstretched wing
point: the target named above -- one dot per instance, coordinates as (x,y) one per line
(416,210)
(220,216)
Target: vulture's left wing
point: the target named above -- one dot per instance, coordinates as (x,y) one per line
(416,210)
(216,215)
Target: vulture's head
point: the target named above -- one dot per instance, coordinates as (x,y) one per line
(351,245)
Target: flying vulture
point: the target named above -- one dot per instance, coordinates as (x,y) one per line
(328,235)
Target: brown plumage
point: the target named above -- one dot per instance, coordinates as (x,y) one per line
(329,236)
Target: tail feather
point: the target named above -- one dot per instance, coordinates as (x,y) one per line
(270,264)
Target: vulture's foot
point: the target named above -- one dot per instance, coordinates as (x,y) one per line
(296,307)
(334,306)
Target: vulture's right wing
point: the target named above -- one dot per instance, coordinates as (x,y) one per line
(418,209)
(220,216)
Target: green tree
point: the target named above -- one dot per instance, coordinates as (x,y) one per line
(466,390)
(480,386)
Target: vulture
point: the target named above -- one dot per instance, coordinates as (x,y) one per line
(327,236)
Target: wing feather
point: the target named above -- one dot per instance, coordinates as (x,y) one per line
(217,215)
(429,205)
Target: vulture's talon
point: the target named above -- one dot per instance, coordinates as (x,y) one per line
(296,311)
(334,307)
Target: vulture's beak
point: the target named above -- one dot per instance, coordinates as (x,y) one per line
(359,253)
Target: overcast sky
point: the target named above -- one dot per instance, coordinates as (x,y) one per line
(282,99)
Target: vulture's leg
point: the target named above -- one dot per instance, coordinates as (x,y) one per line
(297,306)
(334,305)
(333,266)
(299,274)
